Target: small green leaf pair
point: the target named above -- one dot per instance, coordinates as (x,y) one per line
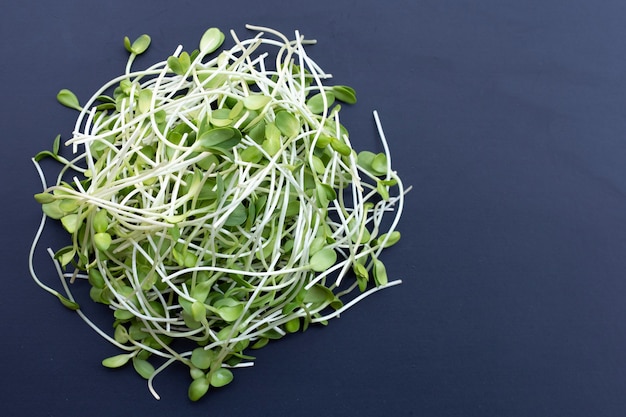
(362,275)
(200,386)
(323,100)
(180,64)
(139,46)
(210,41)
(58,208)
(375,164)
(54,154)
(142,366)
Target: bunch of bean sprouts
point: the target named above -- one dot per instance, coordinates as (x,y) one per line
(214,202)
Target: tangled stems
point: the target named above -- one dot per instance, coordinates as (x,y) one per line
(214,202)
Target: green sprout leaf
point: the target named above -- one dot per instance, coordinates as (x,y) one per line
(56,144)
(143,368)
(388,239)
(179,65)
(360,270)
(95,278)
(229,309)
(238,216)
(272,143)
(344,93)
(102,241)
(318,294)
(122,314)
(340,147)
(221,377)
(127,44)
(100,221)
(120,334)
(287,123)
(293,325)
(221,117)
(256,101)
(44,198)
(362,275)
(71,222)
(44,154)
(68,205)
(325,194)
(139,46)
(117,360)
(68,99)
(379,164)
(175,65)
(198,311)
(323,141)
(236,110)
(323,259)
(316,102)
(375,164)
(65,255)
(67,302)
(382,189)
(201,291)
(53,209)
(203,358)
(219,139)
(380,273)
(144,100)
(251,154)
(198,388)
(196,373)
(211,40)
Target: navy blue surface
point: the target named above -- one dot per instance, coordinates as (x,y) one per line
(507,117)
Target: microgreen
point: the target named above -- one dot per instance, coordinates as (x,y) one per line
(323,259)
(320,102)
(139,46)
(344,93)
(117,360)
(221,377)
(211,40)
(256,101)
(68,99)
(72,305)
(219,202)
(219,139)
(180,64)
(198,388)
(143,367)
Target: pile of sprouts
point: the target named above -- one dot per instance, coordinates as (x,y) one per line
(214,203)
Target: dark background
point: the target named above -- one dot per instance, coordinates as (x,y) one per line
(506,117)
